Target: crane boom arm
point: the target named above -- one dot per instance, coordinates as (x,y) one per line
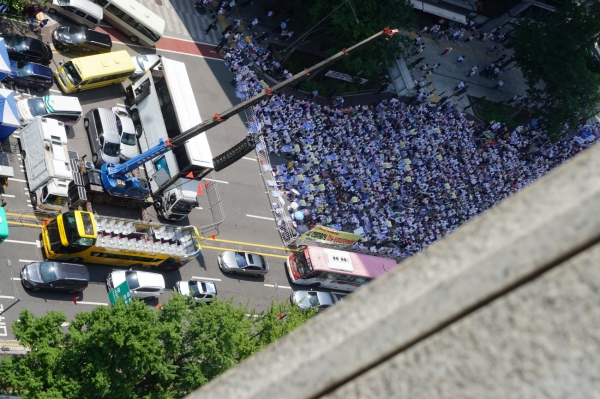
(137,161)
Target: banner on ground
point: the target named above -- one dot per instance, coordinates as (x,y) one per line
(343,76)
(330,236)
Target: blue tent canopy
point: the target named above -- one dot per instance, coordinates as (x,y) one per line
(4,62)
(9,116)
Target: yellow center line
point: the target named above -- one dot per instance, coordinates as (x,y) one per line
(24,224)
(248,243)
(236,250)
(26,216)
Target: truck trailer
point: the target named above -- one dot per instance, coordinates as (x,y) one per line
(46,158)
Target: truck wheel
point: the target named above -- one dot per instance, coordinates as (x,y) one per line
(99,199)
(138,131)
(134,38)
(76,259)
(23,154)
(95,159)
(86,123)
(135,116)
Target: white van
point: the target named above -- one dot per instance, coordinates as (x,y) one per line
(82,12)
(142,285)
(64,109)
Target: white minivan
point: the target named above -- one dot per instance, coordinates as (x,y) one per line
(62,108)
(82,12)
(142,285)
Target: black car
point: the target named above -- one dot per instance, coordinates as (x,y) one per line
(79,39)
(55,276)
(30,74)
(27,49)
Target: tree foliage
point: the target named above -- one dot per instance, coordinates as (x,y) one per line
(132,351)
(341,31)
(558,61)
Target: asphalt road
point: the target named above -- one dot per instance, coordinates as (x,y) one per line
(248,224)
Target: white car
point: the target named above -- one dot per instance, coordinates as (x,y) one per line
(64,109)
(200,290)
(142,285)
(143,62)
(129,145)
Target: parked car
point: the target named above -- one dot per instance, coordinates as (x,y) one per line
(55,276)
(142,285)
(65,109)
(127,130)
(79,39)
(200,290)
(143,62)
(103,134)
(308,300)
(29,74)
(243,263)
(27,49)
(82,12)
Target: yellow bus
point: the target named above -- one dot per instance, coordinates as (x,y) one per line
(78,236)
(85,73)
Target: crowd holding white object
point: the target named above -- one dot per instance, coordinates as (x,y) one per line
(405,174)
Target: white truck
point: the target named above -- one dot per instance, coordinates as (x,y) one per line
(163,104)
(46,158)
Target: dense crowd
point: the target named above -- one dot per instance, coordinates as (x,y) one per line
(401,174)
(404,174)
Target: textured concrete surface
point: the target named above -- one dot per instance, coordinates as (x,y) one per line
(522,238)
(540,341)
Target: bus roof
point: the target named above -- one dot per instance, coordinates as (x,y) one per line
(349,262)
(142,14)
(104,64)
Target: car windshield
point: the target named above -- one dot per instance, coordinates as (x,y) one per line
(132,280)
(23,68)
(72,73)
(141,60)
(19,43)
(37,107)
(112,149)
(194,290)
(76,34)
(183,206)
(128,138)
(48,271)
(240,258)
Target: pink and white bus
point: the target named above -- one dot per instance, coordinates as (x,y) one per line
(335,269)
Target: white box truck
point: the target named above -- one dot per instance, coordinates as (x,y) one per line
(46,159)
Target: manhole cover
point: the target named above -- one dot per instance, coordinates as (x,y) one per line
(159,2)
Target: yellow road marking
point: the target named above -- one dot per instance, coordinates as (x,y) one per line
(247,243)
(236,250)
(26,216)
(24,224)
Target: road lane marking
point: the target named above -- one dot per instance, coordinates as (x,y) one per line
(54,91)
(7,297)
(121,105)
(26,216)
(278,286)
(19,180)
(15,278)
(249,159)
(29,261)
(260,217)
(236,250)
(92,303)
(25,224)
(206,278)
(250,243)
(22,242)
(8,195)
(217,181)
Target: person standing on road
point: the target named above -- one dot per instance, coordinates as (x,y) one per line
(461,91)
(264,36)
(446,50)
(312,95)
(223,42)
(502,58)
(415,62)
(498,85)
(282,26)
(460,85)
(213,25)
(424,67)
(254,23)
(460,59)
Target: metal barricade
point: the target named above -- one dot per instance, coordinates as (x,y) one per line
(215,206)
(282,218)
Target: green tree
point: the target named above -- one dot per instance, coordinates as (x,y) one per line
(558,62)
(132,351)
(340,30)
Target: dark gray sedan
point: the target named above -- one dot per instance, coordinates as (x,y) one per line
(243,263)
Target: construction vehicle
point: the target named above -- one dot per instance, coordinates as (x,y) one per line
(122,184)
(46,158)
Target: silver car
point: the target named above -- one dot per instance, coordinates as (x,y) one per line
(200,290)
(243,263)
(307,300)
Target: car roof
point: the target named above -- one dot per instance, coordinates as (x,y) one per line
(97,37)
(107,117)
(88,6)
(37,69)
(71,271)
(323,297)
(62,104)
(148,279)
(206,287)
(253,259)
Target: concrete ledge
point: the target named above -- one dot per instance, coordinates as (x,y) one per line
(508,247)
